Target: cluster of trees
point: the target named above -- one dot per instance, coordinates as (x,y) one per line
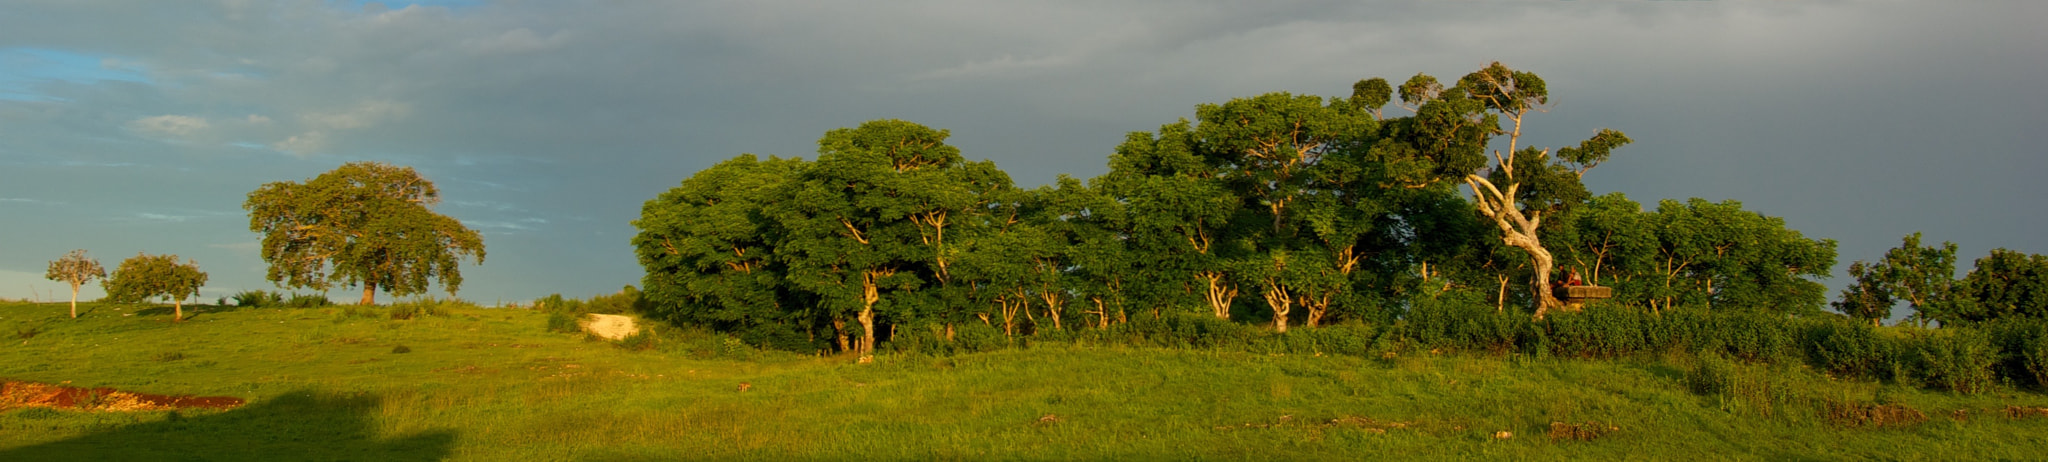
(365,224)
(2004,284)
(139,278)
(1288,209)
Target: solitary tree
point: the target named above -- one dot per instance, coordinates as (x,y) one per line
(364,224)
(77,269)
(143,277)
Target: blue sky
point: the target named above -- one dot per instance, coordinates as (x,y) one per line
(140,126)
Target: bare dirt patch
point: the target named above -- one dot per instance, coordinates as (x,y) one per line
(610,326)
(1872,415)
(30,394)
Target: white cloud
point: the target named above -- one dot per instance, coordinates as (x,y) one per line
(303,143)
(175,126)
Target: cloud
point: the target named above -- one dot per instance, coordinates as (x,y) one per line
(367,114)
(519,40)
(174,126)
(303,143)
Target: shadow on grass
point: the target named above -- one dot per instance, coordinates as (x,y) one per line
(295,426)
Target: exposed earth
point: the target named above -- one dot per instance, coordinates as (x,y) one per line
(610,326)
(31,394)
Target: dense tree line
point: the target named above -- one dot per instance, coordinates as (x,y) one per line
(1284,209)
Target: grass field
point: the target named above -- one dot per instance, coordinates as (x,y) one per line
(494,384)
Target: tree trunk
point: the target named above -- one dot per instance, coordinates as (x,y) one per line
(1545,300)
(369,294)
(178,310)
(74,301)
(867,326)
(1276,298)
(839,328)
(1219,293)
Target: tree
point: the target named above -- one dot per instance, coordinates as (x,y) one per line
(879,214)
(143,277)
(2005,284)
(363,224)
(1523,184)
(1870,298)
(76,269)
(710,252)
(1924,277)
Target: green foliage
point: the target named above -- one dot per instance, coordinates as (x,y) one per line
(258,299)
(144,277)
(1848,349)
(75,269)
(2005,284)
(1713,375)
(1957,360)
(563,322)
(363,224)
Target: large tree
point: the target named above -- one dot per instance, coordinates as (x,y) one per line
(710,252)
(1522,184)
(881,212)
(143,277)
(75,269)
(364,224)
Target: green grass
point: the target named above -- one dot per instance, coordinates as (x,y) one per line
(495,384)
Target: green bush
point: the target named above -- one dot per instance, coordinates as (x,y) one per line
(563,322)
(307,301)
(259,299)
(1600,331)
(1714,375)
(1957,360)
(645,340)
(1456,323)
(1847,348)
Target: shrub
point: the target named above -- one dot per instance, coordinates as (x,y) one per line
(1458,323)
(1957,360)
(307,301)
(1846,348)
(644,340)
(2022,349)
(1600,331)
(258,299)
(563,322)
(1714,375)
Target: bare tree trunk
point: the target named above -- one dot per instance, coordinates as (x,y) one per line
(1276,298)
(839,327)
(1219,294)
(74,301)
(369,294)
(178,310)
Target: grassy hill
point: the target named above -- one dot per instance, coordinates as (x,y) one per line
(493,384)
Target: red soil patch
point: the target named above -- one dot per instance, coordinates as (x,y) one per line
(31,394)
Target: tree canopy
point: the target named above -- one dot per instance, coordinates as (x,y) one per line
(364,224)
(75,269)
(1291,210)
(144,277)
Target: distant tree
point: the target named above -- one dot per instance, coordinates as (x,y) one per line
(143,277)
(1870,297)
(1718,255)
(75,269)
(364,223)
(1922,276)
(2005,284)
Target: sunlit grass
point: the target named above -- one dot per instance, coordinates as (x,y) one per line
(494,384)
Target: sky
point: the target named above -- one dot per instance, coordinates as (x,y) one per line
(141,126)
